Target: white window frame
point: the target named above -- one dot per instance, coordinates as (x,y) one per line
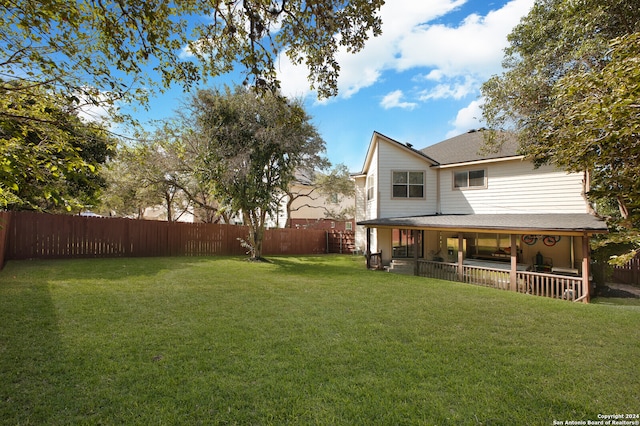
(468,172)
(408,184)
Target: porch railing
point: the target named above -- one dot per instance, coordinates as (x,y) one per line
(550,285)
(535,283)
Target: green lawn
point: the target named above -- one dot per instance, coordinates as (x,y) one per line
(301,340)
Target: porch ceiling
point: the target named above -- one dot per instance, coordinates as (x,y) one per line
(551,223)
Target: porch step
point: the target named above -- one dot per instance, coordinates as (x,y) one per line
(404,267)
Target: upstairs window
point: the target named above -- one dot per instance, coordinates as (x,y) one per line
(470,179)
(370,187)
(408,184)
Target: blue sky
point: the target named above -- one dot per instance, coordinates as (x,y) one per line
(418,82)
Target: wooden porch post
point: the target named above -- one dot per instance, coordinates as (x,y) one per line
(585,268)
(513,274)
(368,252)
(415,233)
(460,256)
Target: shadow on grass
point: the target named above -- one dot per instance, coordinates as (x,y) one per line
(608,295)
(321,265)
(31,353)
(117,269)
(103,268)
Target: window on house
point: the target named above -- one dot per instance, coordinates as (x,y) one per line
(408,184)
(470,179)
(348,226)
(370,187)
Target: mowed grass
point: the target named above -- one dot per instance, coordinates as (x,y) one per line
(300,340)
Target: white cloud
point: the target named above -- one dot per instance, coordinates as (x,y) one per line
(365,68)
(94,106)
(393,100)
(454,89)
(469,117)
(472,48)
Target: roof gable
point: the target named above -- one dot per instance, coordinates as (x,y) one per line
(408,148)
(469,147)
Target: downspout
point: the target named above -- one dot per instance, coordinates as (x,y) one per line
(438,202)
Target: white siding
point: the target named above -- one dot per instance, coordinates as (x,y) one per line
(372,174)
(361,200)
(514,187)
(392,158)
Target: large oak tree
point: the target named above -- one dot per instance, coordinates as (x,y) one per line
(83,54)
(254,144)
(571,90)
(101,51)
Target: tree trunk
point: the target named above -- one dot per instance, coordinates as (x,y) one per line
(167,199)
(289,204)
(255,221)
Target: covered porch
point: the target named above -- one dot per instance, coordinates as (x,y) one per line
(539,254)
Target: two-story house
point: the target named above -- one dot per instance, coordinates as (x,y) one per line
(451,211)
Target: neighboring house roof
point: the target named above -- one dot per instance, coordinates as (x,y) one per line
(469,147)
(533,223)
(304,177)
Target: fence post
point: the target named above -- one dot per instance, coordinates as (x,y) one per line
(5,223)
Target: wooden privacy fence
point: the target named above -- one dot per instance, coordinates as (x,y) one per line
(629,273)
(29,235)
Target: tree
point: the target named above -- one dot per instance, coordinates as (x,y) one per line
(100,52)
(255,143)
(597,121)
(125,195)
(84,54)
(49,158)
(148,174)
(571,92)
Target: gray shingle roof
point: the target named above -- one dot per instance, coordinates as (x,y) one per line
(469,147)
(537,222)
